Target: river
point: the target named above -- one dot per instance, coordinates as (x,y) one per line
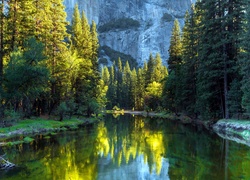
(129,148)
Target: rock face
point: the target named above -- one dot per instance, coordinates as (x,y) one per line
(155,17)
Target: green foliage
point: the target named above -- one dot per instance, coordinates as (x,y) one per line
(68,79)
(137,88)
(11,114)
(245,65)
(26,75)
(204,62)
(120,24)
(61,110)
(175,49)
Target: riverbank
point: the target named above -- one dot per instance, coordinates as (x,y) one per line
(170,116)
(30,127)
(235,130)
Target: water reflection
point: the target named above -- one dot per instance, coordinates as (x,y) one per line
(129,147)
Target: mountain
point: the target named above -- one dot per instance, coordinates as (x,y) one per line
(134,27)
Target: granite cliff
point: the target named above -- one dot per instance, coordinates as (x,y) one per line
(149,23)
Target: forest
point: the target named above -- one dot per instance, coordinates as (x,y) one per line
(50,66)
(47,66)
(208,67)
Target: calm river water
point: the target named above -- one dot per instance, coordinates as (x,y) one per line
(129,148)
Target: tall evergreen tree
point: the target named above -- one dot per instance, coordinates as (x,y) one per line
(173,86)
(126,87)
(175,49)
(190,44)
(150,69)
(245,64)
(76,30)
(86,44)
(141,85)
(56,52)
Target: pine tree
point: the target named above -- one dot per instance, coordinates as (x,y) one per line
(190,43)
(119,74)
(43,22)
(106,76)
(175,49)
(57,51)
(20,22)
(26,77)
(141,85)
(158,71)
(126,87)
(2,33)
(95,44)
(2,53)
(218,56)
(134,91)
(112,90)
(245,64)
(150,69)
(86,44)
(173,84)
(76,30)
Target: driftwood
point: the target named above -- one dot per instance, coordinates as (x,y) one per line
(4,164)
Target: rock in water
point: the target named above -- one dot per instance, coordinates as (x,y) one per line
(4,164)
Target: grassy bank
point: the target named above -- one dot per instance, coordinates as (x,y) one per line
(31,127)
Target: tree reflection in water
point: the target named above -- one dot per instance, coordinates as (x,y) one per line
(129,148)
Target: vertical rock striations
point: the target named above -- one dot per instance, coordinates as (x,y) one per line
(155,19)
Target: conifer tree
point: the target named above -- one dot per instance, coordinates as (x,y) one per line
(112,89)
(2,34)
(190,44)
(2,53)
(86,44)
(126,87)
(134,91)
(141,85)
(173,86)
(76,30)
(106,76)
(119,74)
(150,69)
(245,64)
(220,37)
(20,22)
(175,49)
(56,52)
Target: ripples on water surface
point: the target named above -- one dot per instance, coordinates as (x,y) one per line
(129,148)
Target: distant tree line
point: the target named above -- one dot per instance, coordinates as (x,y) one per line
(137,89)
(44,69)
